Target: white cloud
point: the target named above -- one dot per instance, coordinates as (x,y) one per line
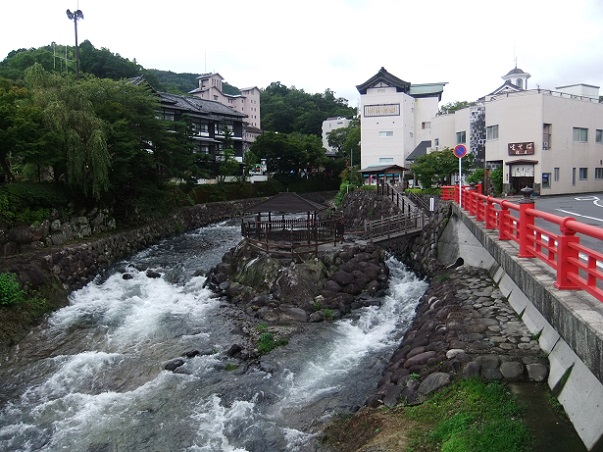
(336,44)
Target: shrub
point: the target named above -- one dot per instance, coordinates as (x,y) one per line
(10,290)
(267,343)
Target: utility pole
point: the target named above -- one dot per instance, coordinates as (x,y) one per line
(75,16)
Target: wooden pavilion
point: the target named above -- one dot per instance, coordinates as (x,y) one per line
(383,173)
(289,224)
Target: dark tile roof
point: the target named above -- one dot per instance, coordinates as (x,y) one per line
(382,168)
(514,71)
(387,78)
(197,104)
(420,150)
(287,202)
(506,87)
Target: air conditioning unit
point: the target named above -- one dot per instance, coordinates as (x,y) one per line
(545,145)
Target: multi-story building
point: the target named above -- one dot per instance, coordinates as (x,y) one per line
(209,120)
(549,140)
(248,103)
(395,117)
(328,125)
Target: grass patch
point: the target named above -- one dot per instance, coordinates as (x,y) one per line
(469,416)
(10,289)
(327,313)
(267,343)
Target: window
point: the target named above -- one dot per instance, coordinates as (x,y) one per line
(461,137)
(492,132)
(556,174)
(583,173)
(168,116)
(598,173)
(426,125)
(436,142)
(599,136)
(386,133)
(386,160)
(580,135)
(546,136)
(546,180)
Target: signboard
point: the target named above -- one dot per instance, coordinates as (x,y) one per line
(382,110)
(526,148)
(460,150)
(522,171)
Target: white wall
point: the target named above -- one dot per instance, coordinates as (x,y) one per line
(378,145)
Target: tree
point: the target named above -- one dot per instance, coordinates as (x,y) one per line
(287,110)
(496,178)
(289,153)
(437,167)
(80,135)
(346,141)
(451,107)
(105,64)
(336,139)
(17,121)
(249,161)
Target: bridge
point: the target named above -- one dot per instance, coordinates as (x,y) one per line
(554,283)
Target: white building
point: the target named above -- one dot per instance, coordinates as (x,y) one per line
(549,140)
(248,103)
(395,118)
(328,125)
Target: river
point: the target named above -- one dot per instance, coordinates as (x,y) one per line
(92,378)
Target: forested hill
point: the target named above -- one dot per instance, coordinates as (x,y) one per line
(283,109)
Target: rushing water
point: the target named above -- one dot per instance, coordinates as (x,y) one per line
(93,378)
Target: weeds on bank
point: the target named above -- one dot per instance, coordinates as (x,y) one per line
(267,343)
(10,290)
(469,416)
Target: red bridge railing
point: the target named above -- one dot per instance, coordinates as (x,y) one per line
(554,240)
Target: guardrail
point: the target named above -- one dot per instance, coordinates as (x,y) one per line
(557,244)
(396,225)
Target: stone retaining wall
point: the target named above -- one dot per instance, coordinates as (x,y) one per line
(76,264)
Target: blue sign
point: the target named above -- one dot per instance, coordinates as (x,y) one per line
(460,150)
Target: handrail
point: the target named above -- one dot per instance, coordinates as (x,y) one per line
(577,266)
(404,223)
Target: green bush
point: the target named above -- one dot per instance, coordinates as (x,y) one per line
(267,343)
(10,290)
(30,203)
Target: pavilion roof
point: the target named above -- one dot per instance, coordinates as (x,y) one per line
(287,202)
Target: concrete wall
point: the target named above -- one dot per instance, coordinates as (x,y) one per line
(569,323)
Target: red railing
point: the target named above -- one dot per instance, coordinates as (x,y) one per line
(577,266)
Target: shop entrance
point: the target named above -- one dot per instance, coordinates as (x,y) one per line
(517,183)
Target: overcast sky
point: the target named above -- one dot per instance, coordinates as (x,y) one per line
(335,44)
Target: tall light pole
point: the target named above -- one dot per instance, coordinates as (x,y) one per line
(75,16)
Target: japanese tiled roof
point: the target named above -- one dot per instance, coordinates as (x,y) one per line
(197,104)
(384,77)
(420,150)
(287,202)
(383,168)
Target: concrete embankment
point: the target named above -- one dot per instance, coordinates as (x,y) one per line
(568,324)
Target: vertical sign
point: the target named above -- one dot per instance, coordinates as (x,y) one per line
(460,151)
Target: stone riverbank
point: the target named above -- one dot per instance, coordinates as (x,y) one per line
(463,328)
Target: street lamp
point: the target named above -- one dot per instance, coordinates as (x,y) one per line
(75,16)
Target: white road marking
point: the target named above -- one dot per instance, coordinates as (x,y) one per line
(596,201)
(574,214)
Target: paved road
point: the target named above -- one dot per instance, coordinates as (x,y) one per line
(586,208)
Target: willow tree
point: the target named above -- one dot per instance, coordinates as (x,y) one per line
(80,136)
